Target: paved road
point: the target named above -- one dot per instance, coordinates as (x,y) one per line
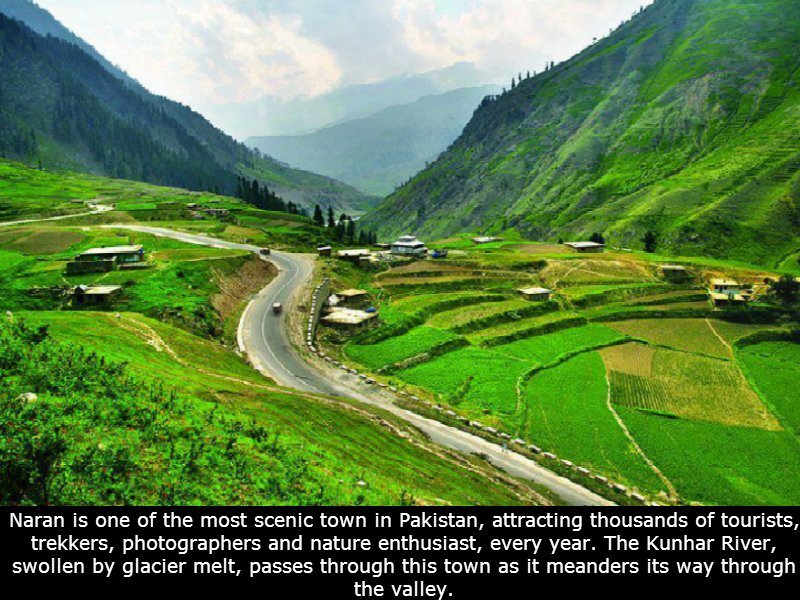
(265,338)
(99,208)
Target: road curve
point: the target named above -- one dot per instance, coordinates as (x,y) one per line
(99,208)
(265,338)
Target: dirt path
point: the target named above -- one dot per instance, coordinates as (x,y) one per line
(719,337)
(673,493)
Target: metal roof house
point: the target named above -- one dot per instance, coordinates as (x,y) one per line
(94,295)
(349,319)
(538,294)
(119,254)
(587,247)
(410,245)
(724,286)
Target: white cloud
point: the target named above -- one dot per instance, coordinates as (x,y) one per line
(204,52)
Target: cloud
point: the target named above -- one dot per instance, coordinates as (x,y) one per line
(205,52)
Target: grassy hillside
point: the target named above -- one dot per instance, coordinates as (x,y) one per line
(684,121)
(60,107)
(146,402)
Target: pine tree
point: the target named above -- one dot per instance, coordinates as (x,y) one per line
(319,220)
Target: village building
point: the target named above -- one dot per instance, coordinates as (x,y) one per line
(219,213)
(324,250)
(587,247)
(104,260)
(725,286)
(724,300)
(536,294)
(348,319)
(485,240)
(439,254)
(101,295)
(674,272)
(409,245)
(353,255)
(351,297)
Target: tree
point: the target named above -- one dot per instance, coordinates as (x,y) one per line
(331,219)
(319,219)
(351,231)
(650,241)
(786,290)
(597,238)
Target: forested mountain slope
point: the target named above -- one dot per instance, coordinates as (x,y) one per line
(62,108)
(684,121)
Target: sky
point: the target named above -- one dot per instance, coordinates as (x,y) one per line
(215,52)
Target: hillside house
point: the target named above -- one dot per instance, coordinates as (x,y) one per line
(101,295)
(485,240)
(324,250)
(726,300)
(725,286)
(217,213)
(353,255)
(408,245)
(350,320)
(674,272)
(352,297)
(587,247)
(536,294)
(104,260)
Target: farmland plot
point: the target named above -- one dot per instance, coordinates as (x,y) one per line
(463,315)
(774,367)
(692,335)
(718,464)
(544,349)
(566,412)
(686,385)
(504,329)
(417,341)
(473,378)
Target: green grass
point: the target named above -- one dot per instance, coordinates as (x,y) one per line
(417,341)
(566,412)
(773,367)
(714,464)
(545,349)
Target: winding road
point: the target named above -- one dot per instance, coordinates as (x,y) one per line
(264,337)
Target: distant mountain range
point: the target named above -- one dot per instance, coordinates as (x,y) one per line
(62,105)
(378,152)
(685,121)
(273,116)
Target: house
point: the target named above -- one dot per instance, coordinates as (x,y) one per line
(536,294)
(101,295)
(725,286)
(352,255)
(438,254)
(350,320)
(587,247)
(351,297)
(674,272)
(325,250)
(219,213)
(409,245)
(485,240)
(119,254)
(720,300)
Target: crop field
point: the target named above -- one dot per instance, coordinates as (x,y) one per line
(417,341)
(773,367)
(688,386)
(715,464)
(547,348)
(602,271)
(566,411)
(691,335)
(42,242)
(506,329)
(463,315)
(479,381)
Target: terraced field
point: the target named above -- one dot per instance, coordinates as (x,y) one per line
(623,373)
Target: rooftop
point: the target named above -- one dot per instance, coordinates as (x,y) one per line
(359,252)
(724,282)
(534,291)
(351,293)
(115,250)
(584,245)
(672,268)
(98,290)
(347,316)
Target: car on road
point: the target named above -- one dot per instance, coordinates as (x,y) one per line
(277,308)
(266,252)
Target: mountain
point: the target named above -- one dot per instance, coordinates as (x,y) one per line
(61,108)
(273,116)
(377,153)
(684,121)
